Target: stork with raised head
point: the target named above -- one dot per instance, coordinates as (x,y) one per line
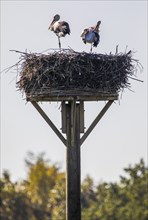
(60,28)
(91,35)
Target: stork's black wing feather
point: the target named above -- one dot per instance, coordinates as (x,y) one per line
(97,39)
(64,27)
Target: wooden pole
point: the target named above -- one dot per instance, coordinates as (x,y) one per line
(73,188)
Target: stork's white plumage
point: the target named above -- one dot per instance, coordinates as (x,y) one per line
(60,28)
(91,35)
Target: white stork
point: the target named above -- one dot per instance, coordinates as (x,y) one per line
(60,28)
(91,35)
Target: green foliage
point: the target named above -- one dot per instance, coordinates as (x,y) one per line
(46,187)
(42,195)
(127,200)
(14,203)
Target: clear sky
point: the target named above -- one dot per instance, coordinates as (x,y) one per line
(120,138)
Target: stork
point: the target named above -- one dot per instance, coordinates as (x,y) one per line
(91,35)
(60,28)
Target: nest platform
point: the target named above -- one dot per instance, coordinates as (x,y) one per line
(68,75)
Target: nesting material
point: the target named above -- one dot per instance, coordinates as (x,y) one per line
(68,70)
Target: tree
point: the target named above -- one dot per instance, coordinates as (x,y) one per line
(14,203)
(46,187)
(126,200)
(135,189)
(88,198)
(41,196)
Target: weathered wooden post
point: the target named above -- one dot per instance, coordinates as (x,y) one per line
(73,179)
(73,125)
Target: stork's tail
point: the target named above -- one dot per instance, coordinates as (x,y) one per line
(97,26)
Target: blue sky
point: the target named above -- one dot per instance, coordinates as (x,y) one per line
(120,138)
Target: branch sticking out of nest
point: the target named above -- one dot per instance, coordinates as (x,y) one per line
(70,70)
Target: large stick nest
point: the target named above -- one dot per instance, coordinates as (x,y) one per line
(70,70)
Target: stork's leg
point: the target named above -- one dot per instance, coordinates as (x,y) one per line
(91,48)
(59,43)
